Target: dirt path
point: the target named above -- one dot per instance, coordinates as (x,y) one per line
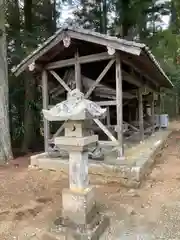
(152,212)
(30,200)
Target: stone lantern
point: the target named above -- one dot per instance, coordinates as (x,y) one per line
(80,218)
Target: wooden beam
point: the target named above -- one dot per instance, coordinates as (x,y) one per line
(95,58)
(78,72)
(131,79)
(106,103)
(108,117)
(105,129)
(58,131)
(152,113)
(108,143)
(82,60)
(103,73)
(45,98)
(132,65)
(119,106)
(133,127)
(141,118)
(126,103)
(57,77)
(121,45)
(61,64)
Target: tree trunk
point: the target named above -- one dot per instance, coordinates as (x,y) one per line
(104,13)
(5,142)
(29,87)
(29,128)
(51,17)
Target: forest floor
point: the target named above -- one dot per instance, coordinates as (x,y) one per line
(31,199)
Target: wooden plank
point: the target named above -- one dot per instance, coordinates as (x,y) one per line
(82,60)
(106,103)
(108,143)
(141,118)
(105,130)
(119,106)
(103,73)
(45,98)
(78,72)
(57,77)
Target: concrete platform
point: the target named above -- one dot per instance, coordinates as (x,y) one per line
(137,164)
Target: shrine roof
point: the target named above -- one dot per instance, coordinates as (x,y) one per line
(136,54)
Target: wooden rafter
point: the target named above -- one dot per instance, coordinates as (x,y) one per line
(131,79)
(132,65)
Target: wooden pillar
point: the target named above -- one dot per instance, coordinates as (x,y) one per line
(177,106)
(141,118)
(158,107)
(45,98)
(152,112)
(119,106)
(78,72)
(162,102)
(108,117)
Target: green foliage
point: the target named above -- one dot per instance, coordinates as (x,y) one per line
(28,25)
(139,20)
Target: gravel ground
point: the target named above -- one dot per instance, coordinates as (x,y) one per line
(31,199)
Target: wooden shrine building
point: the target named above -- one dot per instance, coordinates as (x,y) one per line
(121,75)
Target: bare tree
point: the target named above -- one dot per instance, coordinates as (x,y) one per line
(5,142)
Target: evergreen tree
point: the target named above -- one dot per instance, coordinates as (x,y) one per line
(5,143)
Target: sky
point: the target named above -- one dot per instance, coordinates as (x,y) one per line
(67,12)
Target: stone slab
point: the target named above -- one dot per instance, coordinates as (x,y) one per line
(75,141)
(129,175)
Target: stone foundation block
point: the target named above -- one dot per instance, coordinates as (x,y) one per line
(78,208)
(63,232)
